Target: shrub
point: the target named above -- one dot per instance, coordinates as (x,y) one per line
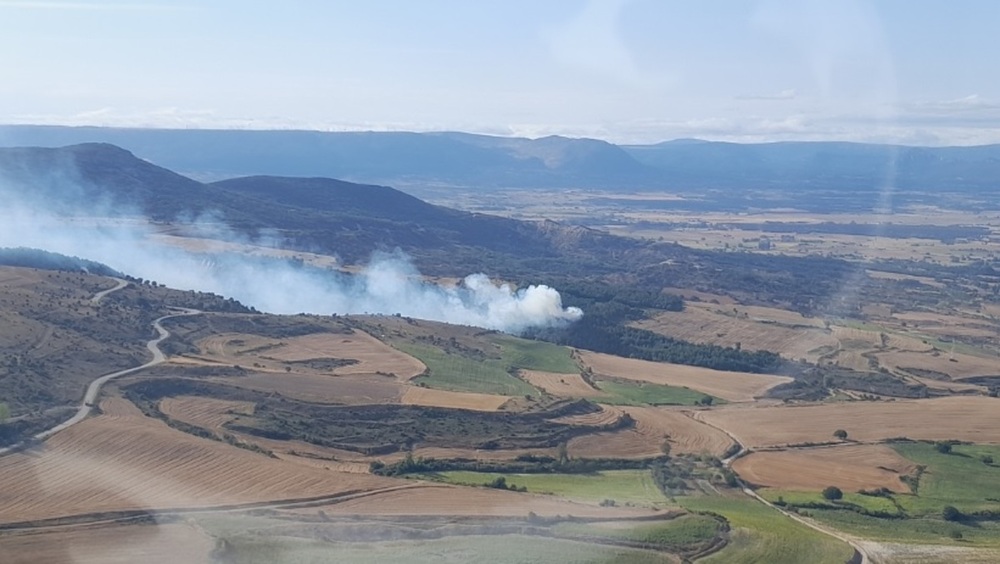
(840,434)
(832,493)
(943,447)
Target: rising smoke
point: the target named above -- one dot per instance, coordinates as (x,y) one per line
(389,284)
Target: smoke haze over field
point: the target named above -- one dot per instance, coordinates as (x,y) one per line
(389,284)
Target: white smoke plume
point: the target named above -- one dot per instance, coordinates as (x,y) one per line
(389,284)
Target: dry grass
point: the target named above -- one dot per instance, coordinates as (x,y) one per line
(165,543)
(561,385)
(731,386)
(967,418)
(653,427)
(456,400)
(850,468)
(124,461)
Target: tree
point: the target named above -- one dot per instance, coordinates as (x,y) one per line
(951,513)
(832,493)
(943,447)
(987,459)
(840,434)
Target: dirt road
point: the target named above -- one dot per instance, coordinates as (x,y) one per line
(865,559)
(94,389)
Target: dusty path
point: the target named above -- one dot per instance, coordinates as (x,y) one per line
(100,295)
(865,559)
(87,405)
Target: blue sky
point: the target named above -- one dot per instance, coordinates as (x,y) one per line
(910,71)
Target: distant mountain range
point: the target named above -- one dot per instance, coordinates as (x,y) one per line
(322,214)
(485,162)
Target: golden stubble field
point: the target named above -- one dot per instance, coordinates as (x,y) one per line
(122,460)
(654,426)
(730,386)
(965,418)
(849,467)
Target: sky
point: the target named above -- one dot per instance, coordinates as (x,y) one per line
(921,72)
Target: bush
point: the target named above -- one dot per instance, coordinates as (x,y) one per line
(987,459)
(832,493)
(943,447)
(840,434)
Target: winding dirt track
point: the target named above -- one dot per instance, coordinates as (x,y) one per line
(87,405)
(728,462)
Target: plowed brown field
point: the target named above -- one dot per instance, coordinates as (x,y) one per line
(127,461)
(731,386)
(562,385)
(850,468)
(416,395)
(653,426)
(967,418)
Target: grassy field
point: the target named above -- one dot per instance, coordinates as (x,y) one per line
(622,486)
(984,534)
(535,355)
(871,503)
(643,393)
(472,549)
(960,479)
(447,371)
(455,372)
(761,534)
(678,534)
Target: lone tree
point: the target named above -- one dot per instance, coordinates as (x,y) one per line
(951,513)
(832,493)
(943,447)
(840,434)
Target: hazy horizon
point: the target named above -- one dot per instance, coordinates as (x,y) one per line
(626,71)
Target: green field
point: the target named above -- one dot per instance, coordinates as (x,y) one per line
(871,503)
(447,371)
(466,549)
(535,355)
(762,534)
(622,486)
(960,479)
(677,534)
(453,371)
(642,393)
